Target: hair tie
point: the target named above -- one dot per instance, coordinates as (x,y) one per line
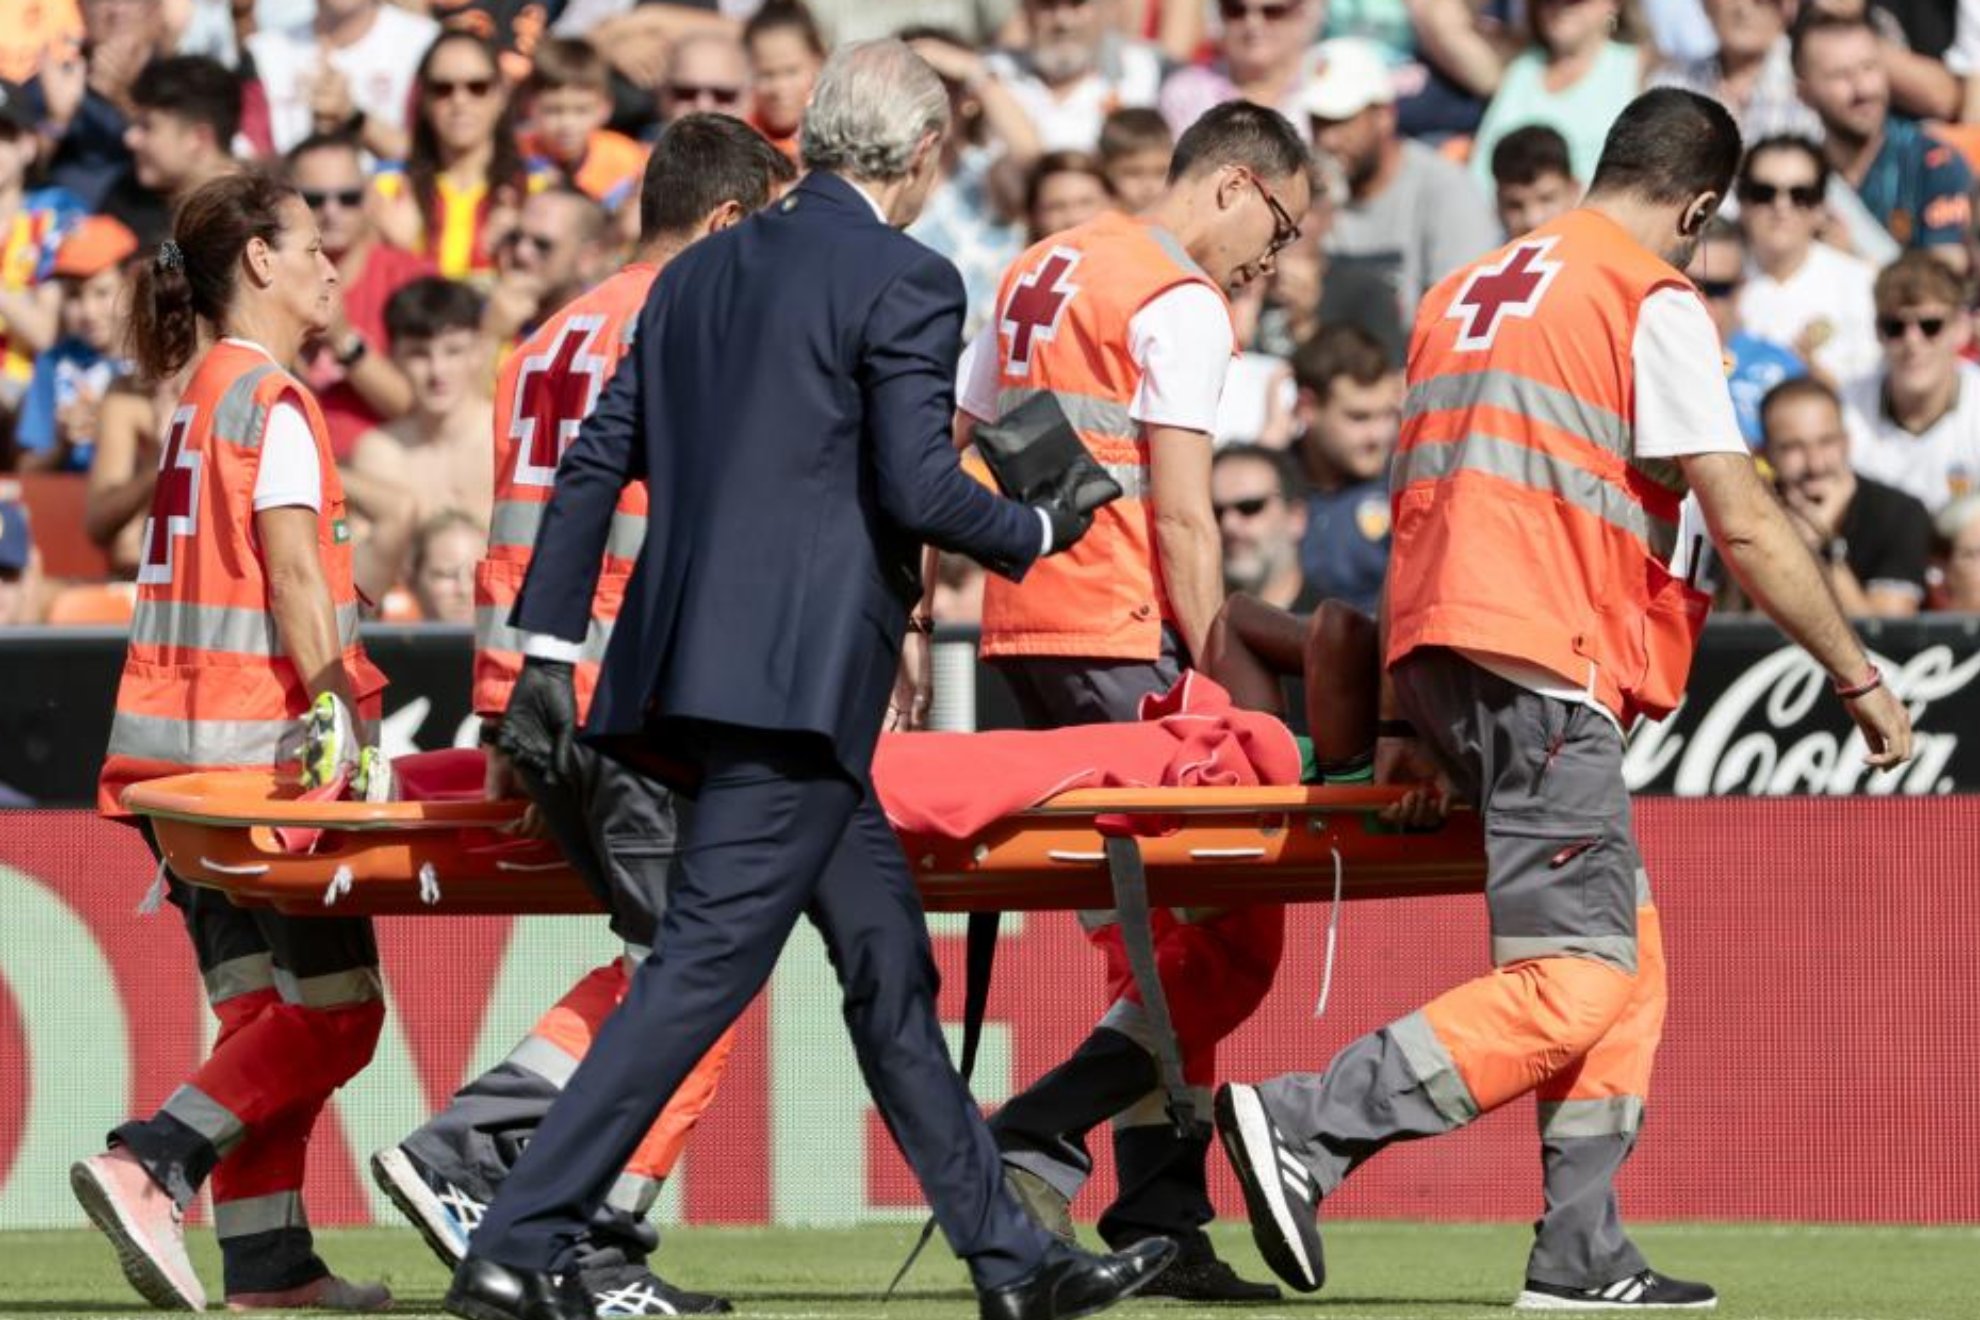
(170,256)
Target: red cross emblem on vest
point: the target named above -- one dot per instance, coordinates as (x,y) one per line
(1036,304)
(1491,294)
(555,391)
(174,502)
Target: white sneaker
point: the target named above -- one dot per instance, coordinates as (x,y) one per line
(1646,1291)
(143,1224)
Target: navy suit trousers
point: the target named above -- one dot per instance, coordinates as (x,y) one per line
(778,831)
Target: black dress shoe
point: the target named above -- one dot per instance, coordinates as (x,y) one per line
(1074,1283)
(484,1290)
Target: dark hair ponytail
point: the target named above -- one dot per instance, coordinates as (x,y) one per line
(192,277)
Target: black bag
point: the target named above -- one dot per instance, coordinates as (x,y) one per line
(1038,458)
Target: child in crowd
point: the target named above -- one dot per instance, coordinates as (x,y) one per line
(568,103)
(1534,179)
(57,427)
(439,451)
(785,54)
(1135,146)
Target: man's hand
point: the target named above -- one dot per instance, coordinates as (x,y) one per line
(1886,726)
(914,687)
(330,103)
(1068,525)
(541,719)
(1406,761)
(502,784)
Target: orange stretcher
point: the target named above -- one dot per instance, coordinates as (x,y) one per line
(1198,847)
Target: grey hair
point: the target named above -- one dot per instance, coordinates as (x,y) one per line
(874,103)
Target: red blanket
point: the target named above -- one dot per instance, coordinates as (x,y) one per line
(954,784)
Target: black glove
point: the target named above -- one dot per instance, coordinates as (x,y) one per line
(541,719)
(1068,524)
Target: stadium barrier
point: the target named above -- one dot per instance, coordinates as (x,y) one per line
(1817,1065)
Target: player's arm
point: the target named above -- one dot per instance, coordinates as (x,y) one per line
(1188,547)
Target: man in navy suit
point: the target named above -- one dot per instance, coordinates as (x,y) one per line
(788,399)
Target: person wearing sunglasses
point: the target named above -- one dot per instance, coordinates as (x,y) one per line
(1261,57)
(1126,322)
(1799,290)
(1915,423)
(706,72)
(1254,493)
(1757,364)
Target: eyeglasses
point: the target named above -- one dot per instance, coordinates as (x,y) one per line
(698,92)
(446,89)
(1235,13)
(1718,290)
(1894,327)
(1285,229)
(1246,509)
(1805,196)
(316,198)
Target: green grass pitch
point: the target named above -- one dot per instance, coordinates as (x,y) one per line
(1382,1271)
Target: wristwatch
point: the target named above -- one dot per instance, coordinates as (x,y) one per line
(352,353)
(1836,552)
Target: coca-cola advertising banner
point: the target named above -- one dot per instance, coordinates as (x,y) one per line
(1758,718)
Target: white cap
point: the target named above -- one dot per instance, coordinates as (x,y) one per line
(1348,75)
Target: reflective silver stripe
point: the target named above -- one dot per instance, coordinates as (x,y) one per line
(548,1060)
(1133,479)
(1538,470)
(205,742)
(515,523)
(1642,887)
(1434,1067)
(633,1194)
(221,627)
(1087,412)
(206,1116)
(1610,1116)
(237,977)
(1529,398)
(356,985)
(1618,951)
(1172,245)
(1152,1110)
(258,1214)
(493,633)
(238,418)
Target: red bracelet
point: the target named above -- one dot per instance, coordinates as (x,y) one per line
(1863,687)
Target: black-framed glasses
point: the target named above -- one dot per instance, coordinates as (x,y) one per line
(1245,508)
(1805,196)
(1234,12)
(702,92)
(1896,327)
(1285,229)
(318,198)
(1719,290)
(446,89)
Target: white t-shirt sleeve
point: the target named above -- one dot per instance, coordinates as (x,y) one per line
(290,475)
(1182,342)
(1682,403)
(976,375)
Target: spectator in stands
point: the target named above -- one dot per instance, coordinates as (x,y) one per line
(356,383)
(1533,179)
(83,97)
(785,54)
(1411,215)
(1915,424)
(57,429)
(20,567)
(185,111)
(1872,539)
(1575,76)
(1073,70)
(1064,188)
(1135,147)
(1262,57)
(1262,519)
(1799,291)
(32,224)
(445,550)
(1915,37)
(1912,186)
(347,68)
(1350,408)
(569,103)
(561,245)
(1752,71)
(1757,365)
(975,23)
(1958,526)
(707,71)
(465,179)
(438,451)
(32,33)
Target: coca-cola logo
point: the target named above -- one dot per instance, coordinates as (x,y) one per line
(1776,729)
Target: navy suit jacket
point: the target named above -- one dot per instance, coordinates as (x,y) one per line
(788,398)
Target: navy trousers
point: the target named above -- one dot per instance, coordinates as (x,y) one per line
(778,831)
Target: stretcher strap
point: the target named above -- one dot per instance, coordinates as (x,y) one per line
(1130,881)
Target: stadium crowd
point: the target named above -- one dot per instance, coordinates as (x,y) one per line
(472,166)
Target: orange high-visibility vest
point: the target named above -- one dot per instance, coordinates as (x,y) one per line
(547,388)
(1525,526)
(1062,328)
(206,682)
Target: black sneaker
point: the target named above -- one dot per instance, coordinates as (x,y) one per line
(1208,1278)
(445,1213)
(1648,1291)
(1280,1196)
(637,1290)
